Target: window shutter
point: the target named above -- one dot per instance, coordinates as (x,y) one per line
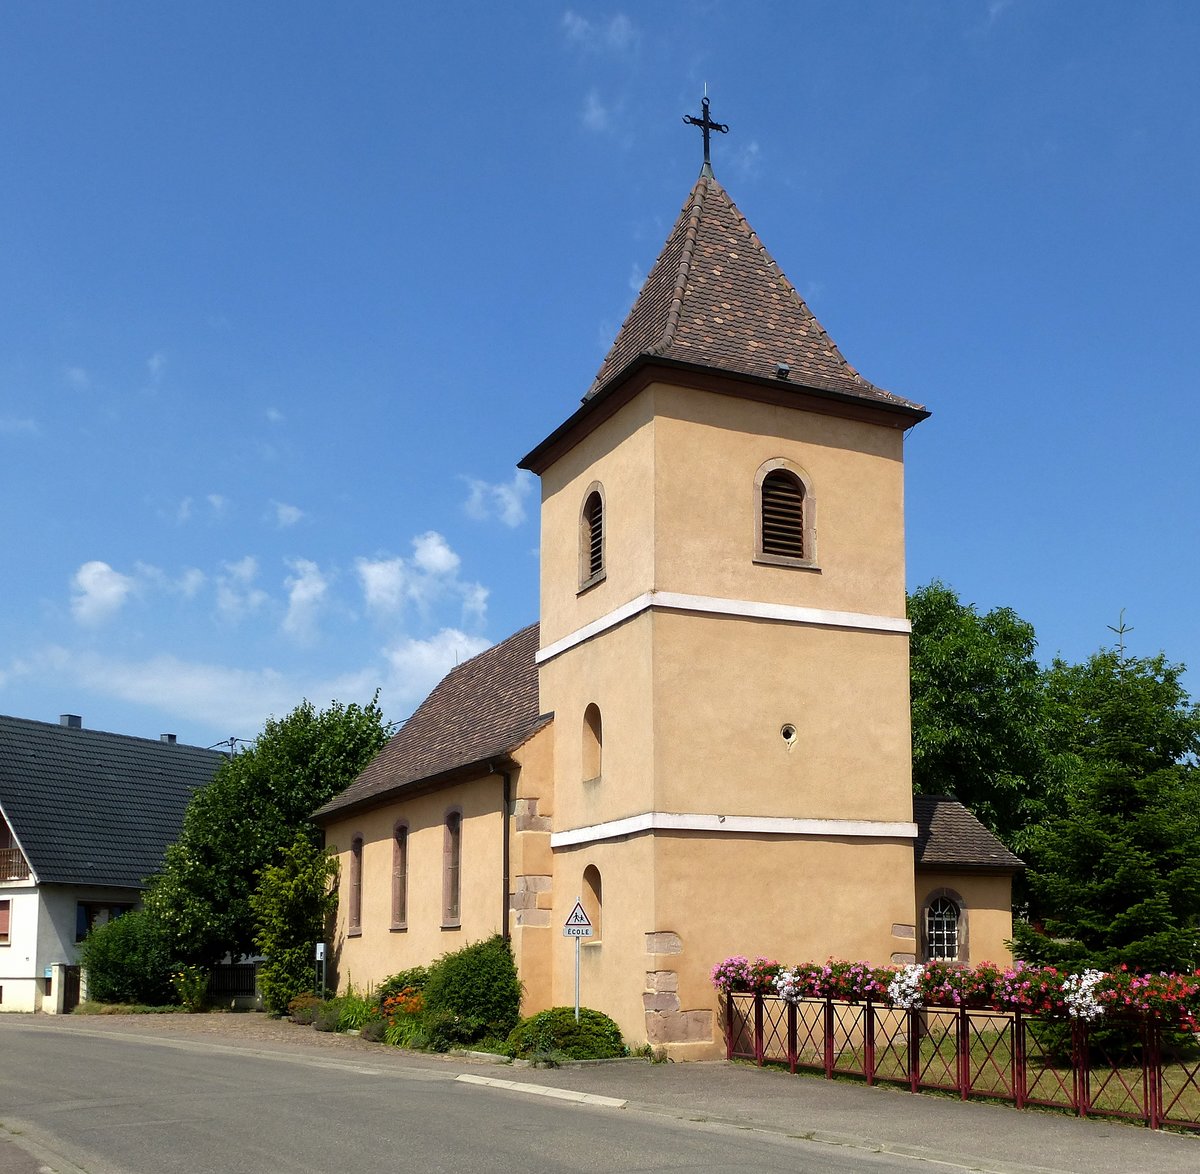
(595,534)
(782,515)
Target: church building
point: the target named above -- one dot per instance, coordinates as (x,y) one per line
(705,739)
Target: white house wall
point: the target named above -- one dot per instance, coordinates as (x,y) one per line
(19,971)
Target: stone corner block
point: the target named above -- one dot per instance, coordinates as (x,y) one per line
(664,942)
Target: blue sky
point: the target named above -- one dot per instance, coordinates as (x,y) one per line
(287,289)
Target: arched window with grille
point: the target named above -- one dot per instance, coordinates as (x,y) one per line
(591,537)
(784,515)
(943,932)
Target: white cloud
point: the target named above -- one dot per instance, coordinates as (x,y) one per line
(747,160)
(78,378)
(475,597)
(432,554)
(417,665)
(504,500)
(307,589)
(237,596)
(636,279)
(14,425)
(384,583)
(190,582)
(184,510)
(155,365)
(99,592)
(286,515)
(217,503)
(595,113)
(275,416)
(617,35)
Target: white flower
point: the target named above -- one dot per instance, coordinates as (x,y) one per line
(905,989)
(1079,994)
(787,984)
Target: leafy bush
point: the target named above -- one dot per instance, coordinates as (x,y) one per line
(326,1015)
(355,1010)
(374,1030)
(472,993)
(303,1008)
(128,960)
(555,1033)
(413,979)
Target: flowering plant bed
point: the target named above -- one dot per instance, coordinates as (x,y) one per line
(1173,999)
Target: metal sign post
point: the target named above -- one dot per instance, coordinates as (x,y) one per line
(577,926)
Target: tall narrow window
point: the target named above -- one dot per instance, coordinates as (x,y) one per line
(783,514)
(593,743)
(400,877)
(593,900)
(354,915)
(591,538)
(452,872)
(941,930)
(5,921)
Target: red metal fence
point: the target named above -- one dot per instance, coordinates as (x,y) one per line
(1135,1068)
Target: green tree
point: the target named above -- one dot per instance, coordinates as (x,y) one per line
(978,711)
(243,820)
(291,907)
(1115,873)
(128,960)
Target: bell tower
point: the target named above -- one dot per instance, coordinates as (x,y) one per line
(723,638)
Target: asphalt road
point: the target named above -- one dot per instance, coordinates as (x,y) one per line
(72,1101)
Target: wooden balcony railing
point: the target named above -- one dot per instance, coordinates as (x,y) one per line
(13,865)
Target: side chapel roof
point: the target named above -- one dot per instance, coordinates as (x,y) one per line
(482,710)
(89,807)
(949,836)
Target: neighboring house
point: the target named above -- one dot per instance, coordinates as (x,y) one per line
(706,737)
(85,818)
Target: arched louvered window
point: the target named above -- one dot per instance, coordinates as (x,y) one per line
(783,514)
(591,538)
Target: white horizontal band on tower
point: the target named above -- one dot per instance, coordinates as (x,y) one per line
(712,605)
(875,829)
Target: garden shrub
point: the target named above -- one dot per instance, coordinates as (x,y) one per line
(472,993)
(374,1030)
(555,1033)
(414,978)
(128,960)
(354,1010)
(326,1015)
(303,1008)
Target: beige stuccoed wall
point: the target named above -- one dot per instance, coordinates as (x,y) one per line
(708,449)
(368,958)
(987,901)
(724,688)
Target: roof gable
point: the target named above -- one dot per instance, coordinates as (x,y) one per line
(89,807)
(482,709)
(949,836)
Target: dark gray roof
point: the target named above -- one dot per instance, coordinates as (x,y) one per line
(949,836)
(482,710)
(94,808)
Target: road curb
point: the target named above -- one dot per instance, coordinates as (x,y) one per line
(543,1090)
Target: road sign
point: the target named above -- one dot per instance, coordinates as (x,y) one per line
(577,924)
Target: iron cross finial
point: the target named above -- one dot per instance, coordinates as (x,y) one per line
(706,125)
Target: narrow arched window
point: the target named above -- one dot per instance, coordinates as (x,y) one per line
(591,538)
(941,930)
(400,877)
(593,743)
(783,515)
(452,872)
(354,916)
(593,900)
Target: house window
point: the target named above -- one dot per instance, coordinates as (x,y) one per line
(452,872)
(593,743)
(593,900)
(400,877)
(5,921)
(591,538)
(784,515)
(941,930)
(354,916)
(90,914)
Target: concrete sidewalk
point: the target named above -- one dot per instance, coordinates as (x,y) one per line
(968,1135)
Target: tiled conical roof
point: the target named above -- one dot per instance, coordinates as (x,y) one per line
(716,298)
